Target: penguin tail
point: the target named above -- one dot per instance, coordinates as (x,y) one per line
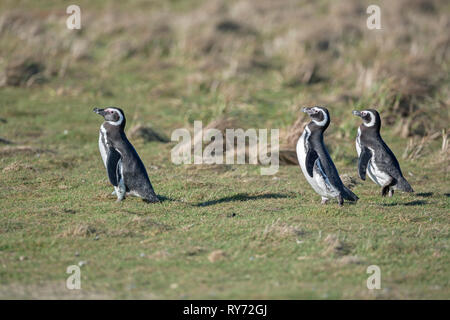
(404,185)
(153,199)
(150,197)
(349,195)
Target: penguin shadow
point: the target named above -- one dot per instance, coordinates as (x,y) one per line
(406,204)
(425,194)
(242,197)
(165,199)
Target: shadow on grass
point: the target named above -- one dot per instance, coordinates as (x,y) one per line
(242,197)
(424,194)
(411,203)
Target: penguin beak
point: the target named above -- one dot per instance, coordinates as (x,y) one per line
(356,113)
(307,110)
(99,111)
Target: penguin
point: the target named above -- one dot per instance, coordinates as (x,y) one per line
(374,156)
(125,170)
(316,162)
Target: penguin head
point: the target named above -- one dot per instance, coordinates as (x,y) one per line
(371,118)
(113,116)
(319,116)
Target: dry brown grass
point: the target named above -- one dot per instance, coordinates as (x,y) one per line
(335,246)
(23,71)
(216,255)
(398,69)
(17,166)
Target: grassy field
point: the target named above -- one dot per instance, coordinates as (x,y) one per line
(223,231)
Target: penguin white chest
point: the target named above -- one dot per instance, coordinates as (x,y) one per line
(358,142)
(319,182)
(102,144)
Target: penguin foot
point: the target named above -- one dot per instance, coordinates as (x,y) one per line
(340,201)
(120,197)
(120,193)
(387,188)
(324,200)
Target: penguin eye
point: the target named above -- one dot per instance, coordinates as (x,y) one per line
(363,113)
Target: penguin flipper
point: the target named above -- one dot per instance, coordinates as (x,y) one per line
(363,161)
(311,157)
(111,166)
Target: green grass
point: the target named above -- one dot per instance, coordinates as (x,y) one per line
(47,197)
(56,209)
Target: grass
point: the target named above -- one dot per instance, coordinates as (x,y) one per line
(277,240)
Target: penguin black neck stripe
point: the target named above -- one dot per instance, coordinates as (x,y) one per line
(116,112)
(125,169)
(113,116)
(375,157)
(315,161)
(371,119)
(320,118)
